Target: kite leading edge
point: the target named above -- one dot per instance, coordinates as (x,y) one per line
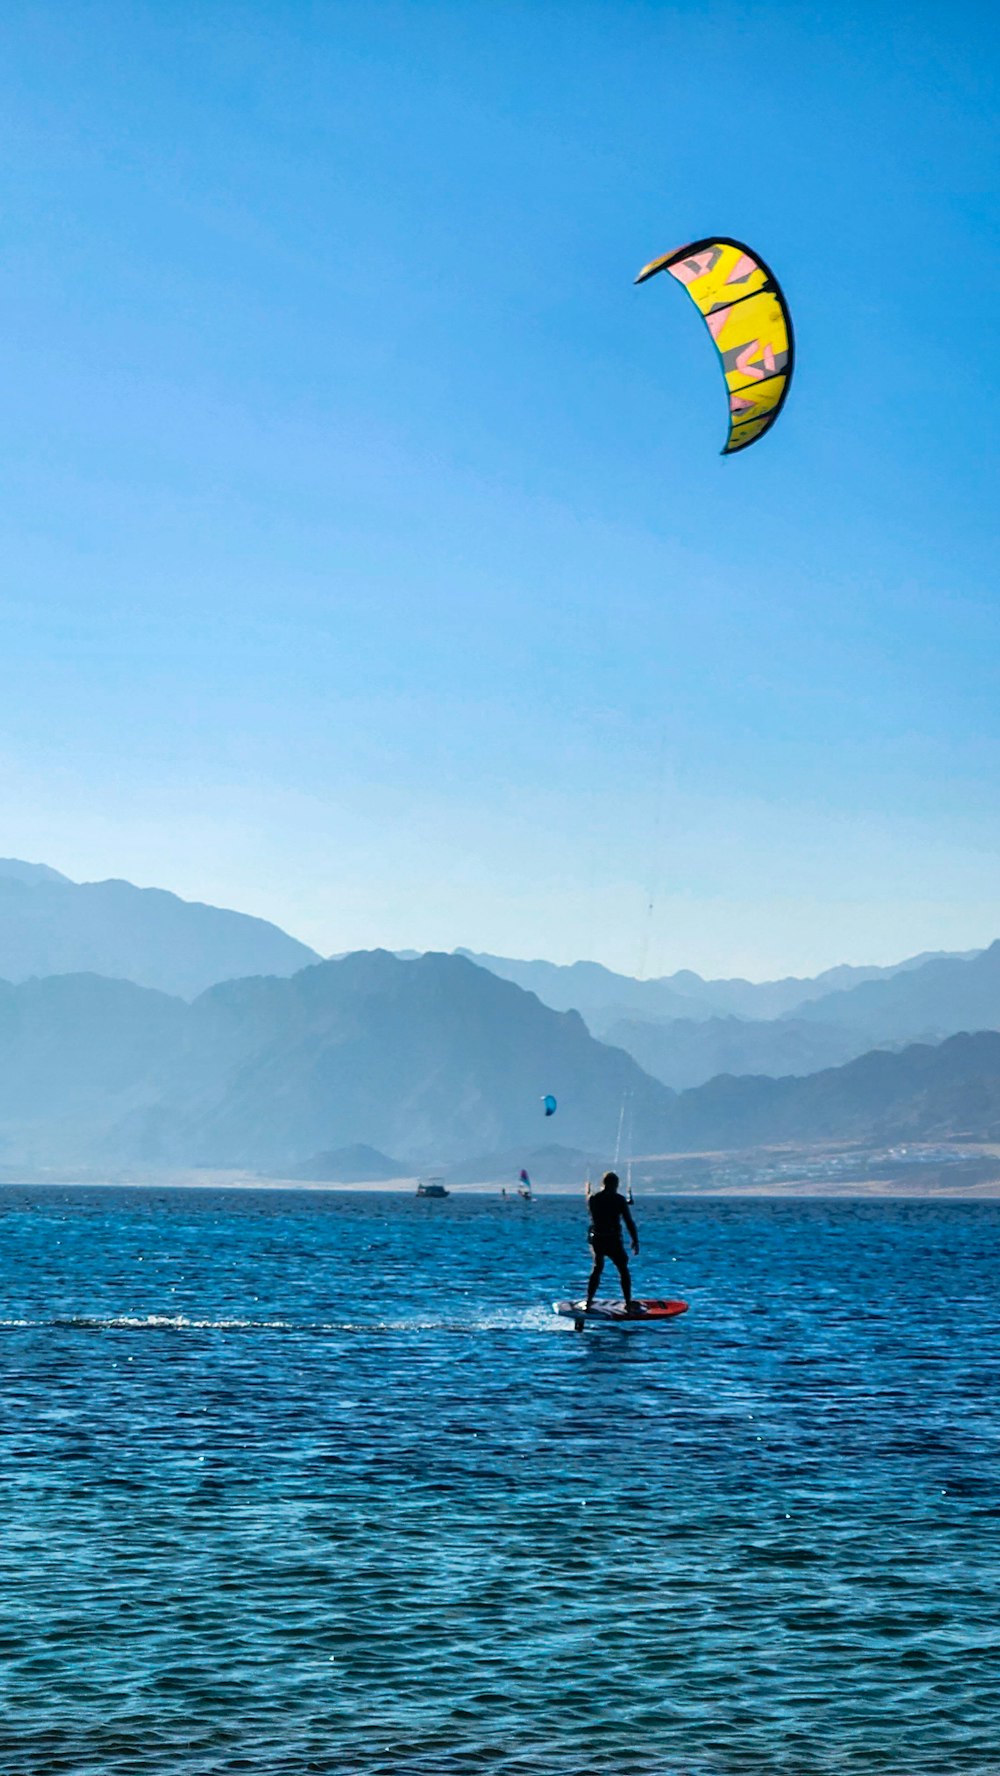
(746,313)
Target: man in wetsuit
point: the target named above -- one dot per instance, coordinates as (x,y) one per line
(607,1212)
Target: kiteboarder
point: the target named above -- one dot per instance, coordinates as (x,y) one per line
(607,1212)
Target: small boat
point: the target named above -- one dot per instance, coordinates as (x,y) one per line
(431,1187)
(524,1188)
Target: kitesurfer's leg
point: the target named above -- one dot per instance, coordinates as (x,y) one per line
(620,1262)
(595,1275)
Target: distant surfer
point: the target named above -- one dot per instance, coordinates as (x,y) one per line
(607,1212)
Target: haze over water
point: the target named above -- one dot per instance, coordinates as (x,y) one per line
(316,1483)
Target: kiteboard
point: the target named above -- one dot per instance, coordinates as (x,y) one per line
(645,1312)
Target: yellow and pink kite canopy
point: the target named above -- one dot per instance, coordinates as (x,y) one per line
(747,316)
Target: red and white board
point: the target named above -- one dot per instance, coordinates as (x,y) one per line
(645,1311)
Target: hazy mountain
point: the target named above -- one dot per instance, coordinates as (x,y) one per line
(781,998)
(920,1093)
(604,997)
(940,998)
(32,873)
(77,1053)
(683,1052)
(52,926)
(357,1164)
(589,987)
(433,1058)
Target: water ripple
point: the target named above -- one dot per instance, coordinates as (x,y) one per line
(317,1483)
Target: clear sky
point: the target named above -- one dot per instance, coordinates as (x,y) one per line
(367,561)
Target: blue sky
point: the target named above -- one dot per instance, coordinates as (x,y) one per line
(367,560)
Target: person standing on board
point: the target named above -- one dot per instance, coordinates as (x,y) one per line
(607,1212)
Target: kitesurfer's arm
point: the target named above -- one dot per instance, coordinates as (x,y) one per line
(630,1224)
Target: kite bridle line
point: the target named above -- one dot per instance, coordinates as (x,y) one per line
(621,1121)
(626,1100)
(645,936)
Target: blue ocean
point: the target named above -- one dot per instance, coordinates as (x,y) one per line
(315,1482)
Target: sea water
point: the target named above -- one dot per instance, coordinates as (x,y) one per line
(316,1482)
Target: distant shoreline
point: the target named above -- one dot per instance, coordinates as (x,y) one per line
(871,1190)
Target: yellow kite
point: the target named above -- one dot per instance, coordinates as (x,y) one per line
(745,312)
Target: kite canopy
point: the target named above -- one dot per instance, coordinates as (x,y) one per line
(550,1104)
(748,318)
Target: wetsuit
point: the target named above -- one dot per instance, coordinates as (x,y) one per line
(607,1212)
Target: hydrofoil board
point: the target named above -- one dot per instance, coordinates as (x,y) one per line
(645,1311)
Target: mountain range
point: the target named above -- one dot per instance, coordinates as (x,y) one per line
(312,1069)
(602,996)
(683,1052)
(50,925)
(681,1028)
(432,1059)
(950,1092)
(922,999)
(945,995)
